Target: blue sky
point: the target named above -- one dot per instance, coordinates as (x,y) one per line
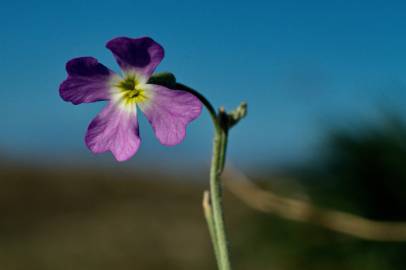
(302,66)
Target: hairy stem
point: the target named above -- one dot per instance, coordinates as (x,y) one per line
(212,202)
(208,214)
(219,143)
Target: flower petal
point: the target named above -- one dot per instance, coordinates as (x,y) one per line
(88,81)
(169,112)
(114,130)
(142,55)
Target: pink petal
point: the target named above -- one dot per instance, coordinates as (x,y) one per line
(169,112)
(115,130)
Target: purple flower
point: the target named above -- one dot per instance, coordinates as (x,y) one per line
(115,128)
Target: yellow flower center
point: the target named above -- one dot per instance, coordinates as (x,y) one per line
(131,90)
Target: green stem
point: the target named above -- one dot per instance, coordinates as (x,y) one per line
(208,214)
(216,199)
(223,148)
(214,210)
(205,102)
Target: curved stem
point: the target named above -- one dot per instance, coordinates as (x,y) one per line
(204,100)
(214,214)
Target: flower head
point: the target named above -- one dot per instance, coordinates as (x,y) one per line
(115,128)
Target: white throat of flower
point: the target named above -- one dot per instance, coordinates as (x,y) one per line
(129,90)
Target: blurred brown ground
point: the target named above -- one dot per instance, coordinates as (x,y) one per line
(117,219)
(54,219)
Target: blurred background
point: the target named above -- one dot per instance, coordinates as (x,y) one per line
(326,88)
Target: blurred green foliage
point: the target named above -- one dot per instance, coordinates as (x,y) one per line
(364,169)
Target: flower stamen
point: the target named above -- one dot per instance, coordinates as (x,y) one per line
(130,91)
